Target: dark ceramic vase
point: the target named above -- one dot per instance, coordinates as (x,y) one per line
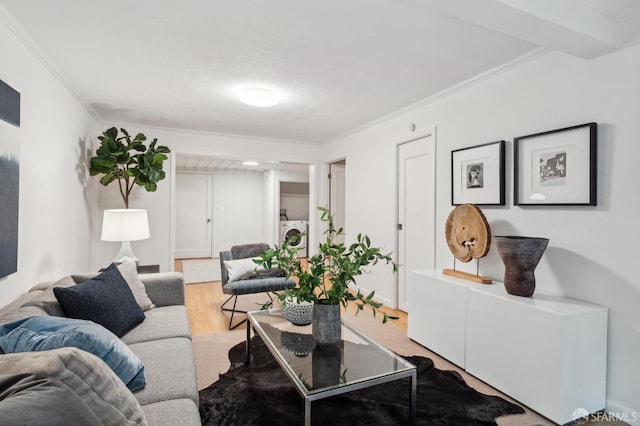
(520,256)
(327,327)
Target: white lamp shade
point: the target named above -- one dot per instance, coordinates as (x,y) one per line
(125,225)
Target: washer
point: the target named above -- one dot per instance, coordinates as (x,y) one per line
(289,228)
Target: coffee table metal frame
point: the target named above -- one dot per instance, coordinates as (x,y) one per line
(410,370)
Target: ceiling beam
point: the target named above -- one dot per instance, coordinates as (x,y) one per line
(571,26)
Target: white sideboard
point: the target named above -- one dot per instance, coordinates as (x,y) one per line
(548,352)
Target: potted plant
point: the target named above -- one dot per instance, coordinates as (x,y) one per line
(128,161)
(327,279)
(297,303)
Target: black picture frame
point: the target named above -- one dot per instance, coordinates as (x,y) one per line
(556,167)
(477,175)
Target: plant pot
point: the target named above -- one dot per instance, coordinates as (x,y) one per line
(299,313)
(520,256)
(327,327)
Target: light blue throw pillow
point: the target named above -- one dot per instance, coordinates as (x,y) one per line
(42,333)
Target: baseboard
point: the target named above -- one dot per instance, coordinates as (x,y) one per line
(619,412)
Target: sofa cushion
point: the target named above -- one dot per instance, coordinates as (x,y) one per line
(170,370)
(161,323)
(45,333)
(105,299)
(48,302)
(87,376)
(7,313)
(175,412)
(33,399)
(39,301)
(22,313)
(129,271)
(43,285)
(62,282)
(164,288)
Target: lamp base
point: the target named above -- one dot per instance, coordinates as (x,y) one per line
(126,254)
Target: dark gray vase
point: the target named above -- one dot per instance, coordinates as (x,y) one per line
(327,327)
(520,256)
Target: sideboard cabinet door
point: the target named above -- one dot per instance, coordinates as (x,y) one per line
(437,317)
(547,352)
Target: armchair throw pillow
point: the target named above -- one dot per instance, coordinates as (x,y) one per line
(240,267)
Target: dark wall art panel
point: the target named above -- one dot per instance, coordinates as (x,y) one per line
(9,178)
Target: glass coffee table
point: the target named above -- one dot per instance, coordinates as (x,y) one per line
(356,362)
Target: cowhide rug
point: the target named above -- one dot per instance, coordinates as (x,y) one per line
(261,394)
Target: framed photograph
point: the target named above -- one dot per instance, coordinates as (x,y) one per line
(477,175)
(557,167)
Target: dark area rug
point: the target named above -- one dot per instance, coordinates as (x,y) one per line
(261,394)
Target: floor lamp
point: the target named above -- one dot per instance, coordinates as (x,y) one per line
(125,225)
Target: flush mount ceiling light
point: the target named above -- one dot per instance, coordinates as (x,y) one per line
(259,97)
(250,163)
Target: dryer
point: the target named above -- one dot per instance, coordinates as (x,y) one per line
(290,228)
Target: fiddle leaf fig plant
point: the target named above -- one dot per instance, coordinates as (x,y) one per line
(128,161)
(329,273)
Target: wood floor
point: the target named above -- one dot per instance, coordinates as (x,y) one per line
(203,302)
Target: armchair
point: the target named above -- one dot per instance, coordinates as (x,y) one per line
(240,276)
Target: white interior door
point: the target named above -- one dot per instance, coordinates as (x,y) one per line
(193,215)
(416,210)
(337,195)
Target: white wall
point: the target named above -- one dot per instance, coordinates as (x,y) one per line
(158,249)
(294,199)
(270,215)
(591,248)
(55,134)
(239,208)
(296,205)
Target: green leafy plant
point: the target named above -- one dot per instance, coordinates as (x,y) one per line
(129,161)
(329,273)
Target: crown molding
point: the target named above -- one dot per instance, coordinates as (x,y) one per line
(209,133)
(19,32)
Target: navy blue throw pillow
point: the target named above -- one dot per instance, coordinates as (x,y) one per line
(105,299)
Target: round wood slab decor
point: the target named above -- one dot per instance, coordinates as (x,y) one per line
(468,233)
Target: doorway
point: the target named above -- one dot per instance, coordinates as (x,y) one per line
(337,183)
(416,211)
(193,215)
